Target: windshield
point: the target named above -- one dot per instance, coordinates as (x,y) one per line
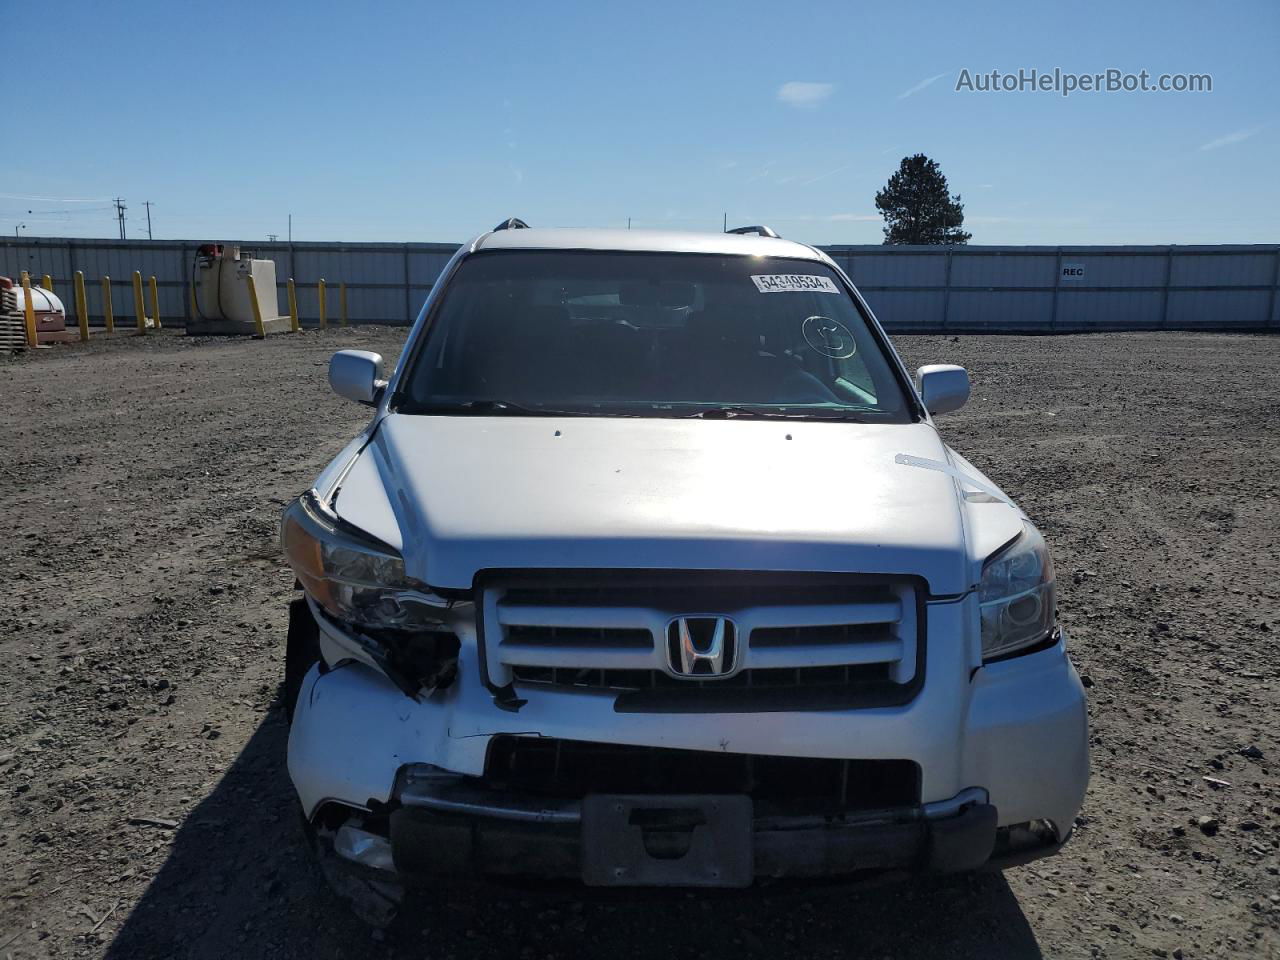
(637,334)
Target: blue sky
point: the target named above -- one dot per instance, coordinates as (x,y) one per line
(417,121)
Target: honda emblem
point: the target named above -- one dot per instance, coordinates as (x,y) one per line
(702,647)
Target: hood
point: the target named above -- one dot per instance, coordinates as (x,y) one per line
(458,495)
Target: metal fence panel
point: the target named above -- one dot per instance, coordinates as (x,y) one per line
(1001,269)
(369,306)
(1009,311)
(308,310)
(426,265)
(991,288)
(1240,269)
(1116,269)
(1218,309)
(335,265)
(903,310)
(884,269)
(37,259)
(1109,309)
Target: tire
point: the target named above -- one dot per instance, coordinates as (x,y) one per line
(301,651)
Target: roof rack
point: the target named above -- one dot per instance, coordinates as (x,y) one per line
(758,229)
(515,223)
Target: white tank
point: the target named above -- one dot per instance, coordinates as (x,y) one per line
(222,291)
(41,300)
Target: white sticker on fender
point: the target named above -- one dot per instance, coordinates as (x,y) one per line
(794,283)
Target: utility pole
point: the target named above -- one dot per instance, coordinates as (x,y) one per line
(147,204)
(120,209)
(628,223)
(291,228)
(726,222)
(271,237)
(17,227)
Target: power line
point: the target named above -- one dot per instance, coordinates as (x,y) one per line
(23,196)
(67,214)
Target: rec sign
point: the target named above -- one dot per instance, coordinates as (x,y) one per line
(1073,271)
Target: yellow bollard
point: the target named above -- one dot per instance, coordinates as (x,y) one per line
(324,307)
(138,307)
(293,308)
(47,283)
(155,303)
(259,330)
(82,307)
(342,299)
(107,313)
(33,338)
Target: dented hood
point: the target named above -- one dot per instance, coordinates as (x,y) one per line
(462,494)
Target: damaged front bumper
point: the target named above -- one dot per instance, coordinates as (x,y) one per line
(399,786)
(441,826)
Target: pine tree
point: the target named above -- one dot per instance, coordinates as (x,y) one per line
(917,207)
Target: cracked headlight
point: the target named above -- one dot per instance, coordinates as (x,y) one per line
(355,578)
(1017,596)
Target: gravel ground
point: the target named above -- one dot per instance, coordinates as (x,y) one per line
(144,806)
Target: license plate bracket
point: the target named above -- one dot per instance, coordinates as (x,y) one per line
(677,840)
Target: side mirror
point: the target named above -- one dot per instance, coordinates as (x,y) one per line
(357,375)
(943,387)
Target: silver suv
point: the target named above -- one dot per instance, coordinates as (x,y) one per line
(651,568)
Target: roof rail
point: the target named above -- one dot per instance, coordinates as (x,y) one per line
(515,223)
(758,229)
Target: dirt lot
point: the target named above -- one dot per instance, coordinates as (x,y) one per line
(144,806)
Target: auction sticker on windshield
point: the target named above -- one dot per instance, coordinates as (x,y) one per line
(794,283)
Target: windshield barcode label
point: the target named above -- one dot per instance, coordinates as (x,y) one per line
(794,282)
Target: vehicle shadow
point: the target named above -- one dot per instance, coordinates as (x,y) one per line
(239,882)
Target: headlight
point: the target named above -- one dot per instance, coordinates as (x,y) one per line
(355,578)
(1017,596)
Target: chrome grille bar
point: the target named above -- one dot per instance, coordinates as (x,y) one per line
(622,625)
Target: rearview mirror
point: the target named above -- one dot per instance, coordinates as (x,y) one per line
(943,387)
(357,375)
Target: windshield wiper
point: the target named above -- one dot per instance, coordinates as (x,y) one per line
(481,408)
(506,408)
(737,411)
